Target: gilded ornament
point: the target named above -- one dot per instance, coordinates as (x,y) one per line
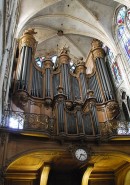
(28,39)
(97,50)
(80,66)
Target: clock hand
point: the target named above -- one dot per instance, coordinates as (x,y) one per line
(80,156)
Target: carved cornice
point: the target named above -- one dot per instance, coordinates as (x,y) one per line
(28,39)
(97,50)
(48,63)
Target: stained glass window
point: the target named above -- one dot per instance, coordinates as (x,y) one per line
(128,19)
(123,31)
(121,16)
(115,70)
(39,61)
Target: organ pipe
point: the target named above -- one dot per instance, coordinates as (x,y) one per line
(81,73)
(65,75)
(108,82)
(48,76)
(99,60)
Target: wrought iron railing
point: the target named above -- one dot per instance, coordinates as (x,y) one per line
(117,128)
(42,123)
(27,121)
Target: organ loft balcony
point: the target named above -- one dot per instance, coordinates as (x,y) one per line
(60,100)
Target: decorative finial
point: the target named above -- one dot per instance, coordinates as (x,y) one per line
(65,50)
(30,31)
(47,55)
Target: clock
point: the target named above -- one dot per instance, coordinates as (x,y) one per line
(81,154)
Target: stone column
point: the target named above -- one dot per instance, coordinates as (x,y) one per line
(7,49)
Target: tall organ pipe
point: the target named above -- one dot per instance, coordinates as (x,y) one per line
(28,67)
(19,67)
(108,82)
(102,79)
(98,90)
(95,120)
(48,78)
(93,85)
(27,46)
(101,70)
(83,85)
(81,73)
(65,75)
(60,108)
(47,94)
(24,66)
(66,79)
(79,120)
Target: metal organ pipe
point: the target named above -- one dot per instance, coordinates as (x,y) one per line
(65,75)
(47,76)
(19,67)
(79,121)
(107,79)
(48,64)
(95,121)
(81,73)
(101,76)
(27,45)
(24,64)
(98,56)
(39,84)
(28,67)
(99,97)
(90,82)
(83,85)
(61,118)
(36,83)
(66,79)
(93,85)
(95,89)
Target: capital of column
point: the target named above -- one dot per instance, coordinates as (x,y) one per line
(97,50)
(28,39)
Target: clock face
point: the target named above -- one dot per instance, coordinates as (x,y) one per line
(81,154)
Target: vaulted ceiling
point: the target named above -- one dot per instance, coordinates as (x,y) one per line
(76,21)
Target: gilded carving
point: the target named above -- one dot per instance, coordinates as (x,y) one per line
(112,110)
(96,49)
(28,39)
(98,53)
(80,66)
(22,99)
(68,104)
(48,64)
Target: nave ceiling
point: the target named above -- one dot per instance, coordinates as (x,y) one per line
(79,21)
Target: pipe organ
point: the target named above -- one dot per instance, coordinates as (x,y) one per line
(57,102)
